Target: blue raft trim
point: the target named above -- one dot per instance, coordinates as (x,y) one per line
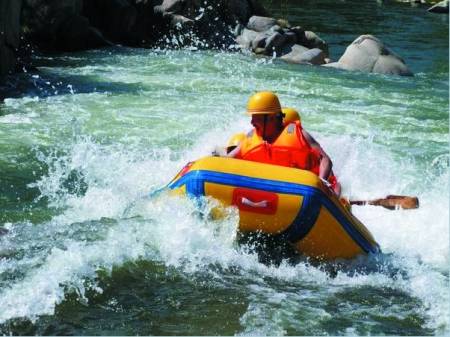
(313,199)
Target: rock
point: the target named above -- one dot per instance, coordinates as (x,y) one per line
(274,43)
(58,25)
(294,54)
(300,54)
(283,23)
(312,40)
(259,41)
(291,37)
(9,34)
(314,56)
(441,7)
(369,54)
(237,11)
(246,38)
(76,34)
(391,65)
(116,19)
(260,23)
(210,20)
(256,7)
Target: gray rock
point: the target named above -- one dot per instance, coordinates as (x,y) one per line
(246,38)
(275,29)
(9,34)
(210,20)
(312,40)
(391,65)
(293,53)
(260,23)
(369,54)
(440,7)
(301,55)
(259,41)
(314,56)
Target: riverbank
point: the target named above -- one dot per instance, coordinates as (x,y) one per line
(36,27)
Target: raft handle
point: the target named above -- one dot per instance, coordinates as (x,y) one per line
(259,204)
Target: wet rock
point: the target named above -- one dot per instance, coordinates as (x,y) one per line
(58,25)
(294,53)
(259,41)
(291,37)
(311,40)
(9,34)
(441,7)
(261,23)
(369,54)
(246,38)
(132,22)
(210,21)
(274,43)
(303,55)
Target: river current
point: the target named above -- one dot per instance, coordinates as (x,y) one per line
(84,250)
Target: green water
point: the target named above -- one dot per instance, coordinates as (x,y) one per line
(84,140)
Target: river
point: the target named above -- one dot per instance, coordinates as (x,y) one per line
(84,141)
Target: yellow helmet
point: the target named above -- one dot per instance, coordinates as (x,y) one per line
(290,115)
(236,139)
(262,103)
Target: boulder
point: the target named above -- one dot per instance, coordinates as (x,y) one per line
(311,40)
(441,7)
(293,53)
(209,21)
(122,21)
(260,41)
(58,25)
(245,40)
(369,54)
(9,34)
(302,55)
(275,43)
(261,23)
(76,33)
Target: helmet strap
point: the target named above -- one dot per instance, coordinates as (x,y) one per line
(264,127)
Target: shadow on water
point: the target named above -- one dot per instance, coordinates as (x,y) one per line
(36,82)
(144,298)
(149,298)
(275,250)
(41,85)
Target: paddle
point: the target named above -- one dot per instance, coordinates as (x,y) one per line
(391,202)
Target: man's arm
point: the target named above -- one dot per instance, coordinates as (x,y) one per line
(325,162)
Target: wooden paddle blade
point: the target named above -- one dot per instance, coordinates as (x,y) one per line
(391,202)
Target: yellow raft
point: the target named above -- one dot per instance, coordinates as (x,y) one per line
(279,200)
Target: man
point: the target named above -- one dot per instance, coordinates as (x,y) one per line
(289,145)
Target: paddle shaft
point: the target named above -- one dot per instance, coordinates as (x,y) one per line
(391,202)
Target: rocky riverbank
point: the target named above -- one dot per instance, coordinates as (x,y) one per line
(72,25)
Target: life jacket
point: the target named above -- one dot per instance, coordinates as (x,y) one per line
(290,149)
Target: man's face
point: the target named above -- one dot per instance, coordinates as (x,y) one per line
(258,124)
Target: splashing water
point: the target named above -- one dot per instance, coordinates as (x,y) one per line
(106,128)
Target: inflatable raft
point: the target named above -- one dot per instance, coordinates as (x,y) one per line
(279,200)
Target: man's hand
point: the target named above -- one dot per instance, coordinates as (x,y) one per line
(218,152)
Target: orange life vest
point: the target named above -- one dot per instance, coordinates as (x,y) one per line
(289,149)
